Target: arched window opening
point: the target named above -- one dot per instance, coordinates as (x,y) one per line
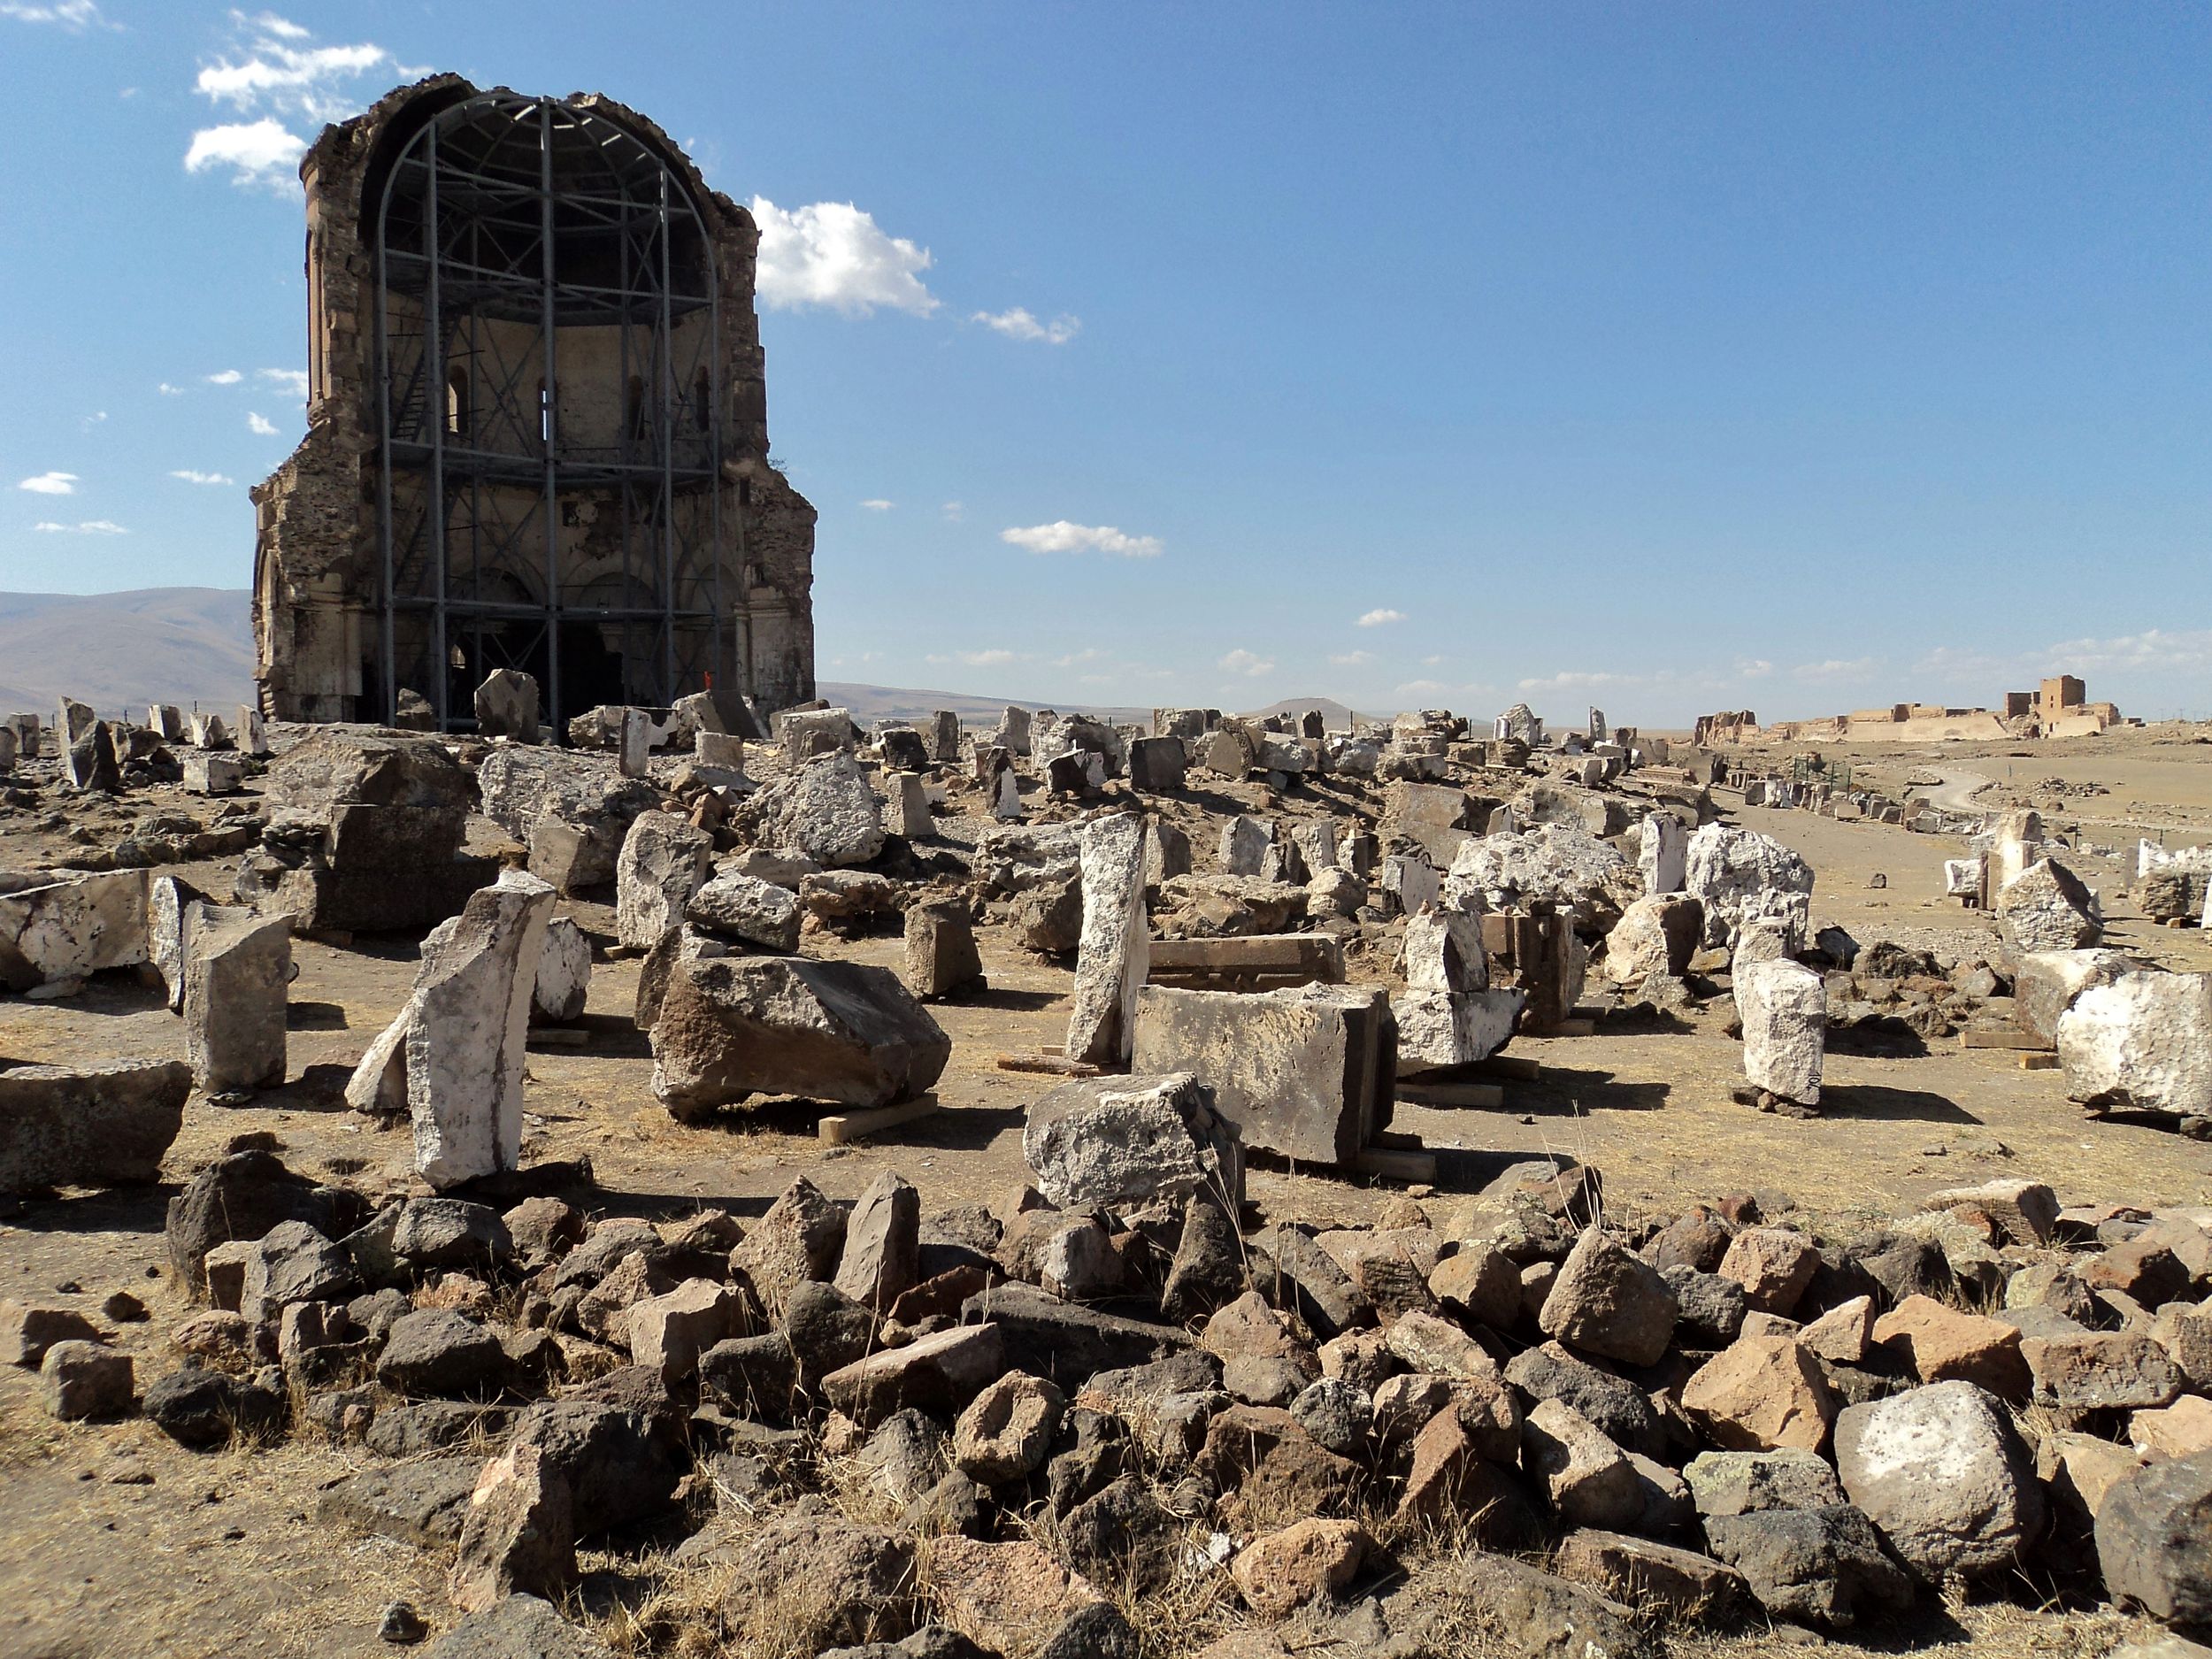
(703,401)
(456,403)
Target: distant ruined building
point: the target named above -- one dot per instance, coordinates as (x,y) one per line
(537,425)
(2057,708)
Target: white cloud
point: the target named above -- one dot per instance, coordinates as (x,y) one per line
(257,152)
(71,14)
(275,70)
(167,391)
(991,659)
(224,376)
(1835,668)
(1754,667)
(1352,659)
(1060,536)
(1432,661)
(193,475)
(832,254)
(878,504)
(1421,688)
(292,380)
(955,511)
(2155,647)
(260,425)
(92,420)
(1088,654)
(50,484)
(90,526)
(1247,662)
(1378,618)
(1020,324)
(1577,681)
(275,75)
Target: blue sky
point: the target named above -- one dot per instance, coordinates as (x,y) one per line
(1666,357)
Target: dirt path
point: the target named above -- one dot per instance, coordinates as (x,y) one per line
(1957,792)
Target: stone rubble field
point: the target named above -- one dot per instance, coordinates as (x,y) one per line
(1221,1186)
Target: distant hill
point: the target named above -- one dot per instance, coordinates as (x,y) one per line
(119,652)
(870,703)
(1338,717)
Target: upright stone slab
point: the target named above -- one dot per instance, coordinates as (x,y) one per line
(907,806)
(237,985)
(663,861)
(169,905)
(1006,795)
(940,956)
(1411,881)
(208,731)
(91,763)
(1663,855)
(1784,1007)
(507,705)
(1245,844)
(564,980)
(27,729)
(633,743)
(1157,765)
(1449,1016)
(2015,843)
(944,736)
(453,1059)
(1306,1071)
(1112,961)
(1012,732)
(253,733)
(166,721)
(73,723)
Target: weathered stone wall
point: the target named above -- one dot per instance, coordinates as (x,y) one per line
(318,569)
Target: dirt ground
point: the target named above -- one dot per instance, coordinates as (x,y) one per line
(114,1540)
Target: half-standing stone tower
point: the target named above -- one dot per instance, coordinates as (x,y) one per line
(537,425)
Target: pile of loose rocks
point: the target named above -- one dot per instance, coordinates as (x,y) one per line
(1177,1425)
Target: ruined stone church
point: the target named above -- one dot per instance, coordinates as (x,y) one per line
(537,425)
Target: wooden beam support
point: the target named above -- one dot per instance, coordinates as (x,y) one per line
(1451,1095)
(1396,1163)
(836,1128)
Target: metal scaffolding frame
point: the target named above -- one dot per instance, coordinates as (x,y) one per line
(504,215)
